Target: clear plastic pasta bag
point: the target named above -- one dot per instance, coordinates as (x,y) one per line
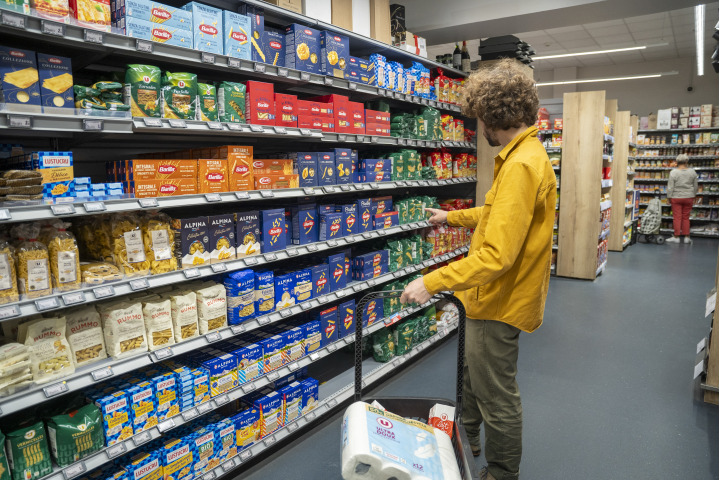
(33,263)
(64,258)
(128,247)
(159,239)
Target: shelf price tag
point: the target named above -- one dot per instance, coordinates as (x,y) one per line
(9,312)
(143,46)
(191,273)
(249,387)
(141,438)
(52,28)
(93,36)
(234,127)
(56,389)
(273,376)
(280,130)
(312,248)
(116,450)
(285,312)
(5,214)
(237,329)
(94,207)
(139,284)
(102,292)
(221,400)
(270,257)
(260,67)
(360,138)
(46,304)
(213,197)
(293,426)
(218,267)
(93,125)
(332,243)
(233,62)
(213,337)
(257,128)
(269,441)
(250,261)
(352,86)
(163,353)
(227,466)
(304,76)
(314,356)
(62,209)
(242,195)
(329,81)
(263,320)
(189,414)
(310,416)
(148,202)
(204,408)
(246,455)
(292,252)
(168,424)
(345,188)
(309,190)
(152,122)
(331,347)
(267,193)
(208,58)
(332,403)
(282,72)
(209,475)
(293,366)
(12,20)
(329,189)
(214,125)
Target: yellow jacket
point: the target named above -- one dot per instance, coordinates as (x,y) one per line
(506,273)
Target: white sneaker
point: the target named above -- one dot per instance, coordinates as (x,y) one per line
(688,240)
(673,240)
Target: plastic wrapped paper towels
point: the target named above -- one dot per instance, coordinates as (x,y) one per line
(379,445)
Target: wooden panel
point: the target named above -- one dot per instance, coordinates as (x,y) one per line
(619,175)
(582,142)
(379,21)
(713,362)
(342,13)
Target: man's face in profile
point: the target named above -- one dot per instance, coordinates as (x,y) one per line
(489,135)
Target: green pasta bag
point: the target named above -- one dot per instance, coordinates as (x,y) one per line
(430,314)
(383,346)
(403,334)
(4,467)
(419,248)
(27,452)
(75,435)
(409,250)
(207,100)
(402,211)
(421,332)
(231,102)
(179,95)
(398,172)
(142,90)
(396,255)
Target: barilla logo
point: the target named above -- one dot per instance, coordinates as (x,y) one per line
(387,222)
(315,109)
(365,217)
(334,228)
(168,188)
(208,29)
(111,407)
(166,169)
(357,115)
(164,34)
(161,13)
(56,61)
(56,161)
(214,177)
(138,397)
(15,53)
(330,329)
(265,181)
(370,307)
(379,166)
(350,221)
(321,282)
(338,273)
(166,384)
(180,452)
(349,318)
(326,157)
(377,259)
(308,32)
(263,104)
(258,164)
(317,123)
(377,270)
(342,113)
(275,231)
(337,39)
(288,108)
(344,154)
(239,36)
(275,45)
(309,223)
(242,169)
(145,469)
(308,157)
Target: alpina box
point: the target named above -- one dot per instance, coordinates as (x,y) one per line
(270,407)
(136,28)
(163,188)
(338,277)
(222,237)
(313,336)
(331,226)
(247,427)
(303,49)
(272,353)
(294,345)
(237,30)
(310,395)
(303,285)
(212,175)
(260,103)
(316,123)
(207,27)
(223,373)
(161,169)
(250,363)
(285,110)
(191,241)
(291,402)
(247,233)
(315,109)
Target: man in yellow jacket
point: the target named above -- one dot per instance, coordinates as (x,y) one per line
(503,280)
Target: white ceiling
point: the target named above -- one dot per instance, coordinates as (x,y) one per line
(675,28)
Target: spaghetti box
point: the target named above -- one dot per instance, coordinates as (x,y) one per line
(55,81)
(305,227)
(146,30)
(285,295)
(247,233)
(348,261)
(257,26)
(166,395)
(358,76)
(272,226)
(247,428)
(273,47)
(313,336)
(143,406)
(380,257)
(294,345)
(164,15)
(357,122)
(259,103)
(376,165)
(303,285)
(338,278)
(346,318)
(177,458)
(223,373)
(315,109)
(381,205)
(316,123)
(326,167)
(361,275)
(117,419)
(360,64)
(237,30)
(320,280)
(364,215)
(335,54)
(270,407)
(145,466)
(291,402)
(386,220)
(307,168)
(310,395)
(377,117)
(372,312)
(16,86)
(303,49)
(207,27)
(328,326)
(331,226)
(286,110)
(349,218)
(250,363)
(222,237)
(365,177)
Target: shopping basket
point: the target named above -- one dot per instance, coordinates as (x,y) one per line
(418,408)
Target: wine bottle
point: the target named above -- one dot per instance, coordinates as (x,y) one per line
(466,61)
(457,57)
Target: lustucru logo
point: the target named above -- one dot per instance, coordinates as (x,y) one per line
(161,13)
(208,29)
(239,36)
(164,34)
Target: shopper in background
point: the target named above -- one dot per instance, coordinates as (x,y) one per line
(682,189)
(504,279)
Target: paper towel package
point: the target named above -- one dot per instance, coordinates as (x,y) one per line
(380,445)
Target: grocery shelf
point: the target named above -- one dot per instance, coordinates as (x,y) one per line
(553,149)
(44,122)
(656,168)
(624,245)
(632,144)
(601,268)
(642,179)
(674,130)
(670,157)
(606,183)
(691,234)
(705,193)
(608,158)
(608,138)
(548,131)
(555,247)
(630,173)
(679,145)
(605,205)
(603,234)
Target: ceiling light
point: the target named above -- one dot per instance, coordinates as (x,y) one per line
(699,35)
(606,79)
(590,53)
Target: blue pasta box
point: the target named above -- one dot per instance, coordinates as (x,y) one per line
(177,458)
(303,285)
(237,30)
(310,395)
(18,87)
(380,67)
(285,295)
(335,51)
(201,385)
(272,353)
(137,28)
(291,402)
(165,387)
(272,226)
(326,208)
(364,215)
(348,260)
(358,76)
(326,167)
(264,292)
(349,218)
(116,416)
(247,428)
(226,433)
(164,15)
(247,234)
(338,278)
(144,466)
(273,46)
(320,280)
(204,441)
(328,326)
(59,189)
(355,155)
(386,220)
(341,153)
(331,226)
(207,27)
(380,257)
(369,272)
(294,345)
(313,336)
(143,406)
(372,312)
(346,318)
(250,362)
(360,64)
(307,168)
(344,170)
(55,81)
(223,373)
(381,205)
(375,176)
(270,407)
(257,26)
(303,48)
(305,225)
(376,165)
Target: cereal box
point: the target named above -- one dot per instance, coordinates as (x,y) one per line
(272,353)
(270,407)
(291,402)
(207,27)
(285,293)
(272,223)
(212,175)
(317,123)
(55,81)
(260,103)
(145,466)
(307,168)
(310,395)
(223,373)
(303,285)
(331,226)
(303,49)
(165,387)
(251,363)
(247,428)
(222,237)
(335,54)
(192,238)
(116,416)
(18,69)
(338,278)
(177,459)
(247,235)
(326,167)
(237,30)
(143,406)
(285,110)
(372,312)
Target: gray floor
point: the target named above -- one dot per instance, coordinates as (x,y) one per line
(606,382)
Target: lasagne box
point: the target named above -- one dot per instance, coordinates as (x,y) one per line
(239,166)
(250,363)
(307,168)
(303,49)
(349,218)
(247,428)
(257,27)
(143,406)
(369,272)
(328,326)
(270,407)
(381,205)
(272,228)
(273,167)
(161,169)
(291,402)
(169,17)
(116,416)
(326,167)
(316,123)
(192,241)
(212,175)
(357,119)
(272,353)
(177,459)
(320,280)
(54,166)
(305,225)
(273,47)
(285,110)
(377,117)
(372,312)
(377,129)
(310,395)
(346,318)
(386,220)
(247,234)
(145,466)
(380,257)
(364,215)
(55,81)
(136,28)
(222,237)
(315,109)
(18,71)
(260,103)
(237,30)
(376,165)
(331,226)
(338,276)
(274,182)
(335,50)
(207,27)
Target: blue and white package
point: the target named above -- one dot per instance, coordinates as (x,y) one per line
(264,292)
(331,226)
(303,285)
(326,169)
(313,336)
(257,26)
(349,218)
(250,363)
(207,30)
(293,345)
(285,295)
(379,63)
(236,35)
(240,289)
(273,46)
(396,71)
(328,326)
(320,280)
(335,50)
(291,402)
(364,215)
(310,395)
(164,15)
(338,277)
(303,48)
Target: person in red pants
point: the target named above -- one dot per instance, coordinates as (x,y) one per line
(681,191)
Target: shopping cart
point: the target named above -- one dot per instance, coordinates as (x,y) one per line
(651,222)
(418,408)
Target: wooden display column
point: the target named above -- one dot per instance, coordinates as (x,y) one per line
(579,210)
(619,175)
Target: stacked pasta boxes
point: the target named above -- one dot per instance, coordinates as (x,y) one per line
(42,80)
(153,21)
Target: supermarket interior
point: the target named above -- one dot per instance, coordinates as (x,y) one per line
(336,238)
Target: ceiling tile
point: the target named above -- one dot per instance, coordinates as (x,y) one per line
(573,45)
(564,37)
(683,20)
(596,60)
(686,44)
(686,52)
(566,62)
(538,33)
(628,59)
(682,11)
(603,32)
(650,25)
(659,55)
(653,36)
(575,28)
(684,37)
(609,23)
(644,18)
(538,41)
(625,40)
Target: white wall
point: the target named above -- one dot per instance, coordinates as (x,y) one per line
(644,96)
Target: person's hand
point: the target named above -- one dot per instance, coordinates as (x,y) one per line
(438,217)
(415,292)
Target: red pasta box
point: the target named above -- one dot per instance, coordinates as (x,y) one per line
(341,111)
(320,123)
(357,117)
(274,182)
(375,116)
(285,110)
(377,129)
(314,109)
(260,103)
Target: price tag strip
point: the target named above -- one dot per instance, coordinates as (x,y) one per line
(189,415)
(141,438)
(163,353)
(218,267)
(46,304)
(102,292)
(116,450)
(166,425)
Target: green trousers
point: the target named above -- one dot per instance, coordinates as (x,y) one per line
(491,394)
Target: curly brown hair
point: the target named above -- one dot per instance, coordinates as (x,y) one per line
(502,97)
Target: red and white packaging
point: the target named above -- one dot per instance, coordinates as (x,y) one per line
(442,418)
(320,123)
(357,114)
(340,109)
(314,109)
(285,110)
(260,103)
(377,129)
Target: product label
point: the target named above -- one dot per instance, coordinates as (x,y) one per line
(37,275)
(134,246)
(160,245)
(5,275)
(66,267)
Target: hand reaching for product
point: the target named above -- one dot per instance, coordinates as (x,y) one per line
(415,292)
(438,216)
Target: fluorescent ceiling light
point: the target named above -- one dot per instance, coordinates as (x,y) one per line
(590,53)
(606,79)
(699,35)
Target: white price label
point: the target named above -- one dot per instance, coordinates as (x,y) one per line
(329,189)
(234,127)
(9,312)
(269,441)
(141,438)
(352,86)
(242,195)
(292,427)
(270,257)
(13,20)
(382,232)
(148,202)
(305,132)
(166,425)
(249,387)
(329,81)
(371,283)
(143,46)
(208,58)
(213,337)
(95,207)
(257,128)
(312,248)
(246,455)
(293,366)
(374,185)
(191,273)
(309,190)
(204,408)
(139,284)
(280,130)
(292,252)
(250,261)
(260,67)
(227,466)
(282,72)
(177,123)
(382,93)
(233,62)
(374,139)
(314,356)
(237,329)
(332,403)
(189,415)
(102,292)
(366,235)
(322,299)
(332,243)
(209,475)
(213,197)
(5,214)
(218,267)
(701,345)
(267,193)
(221,400)
(62,209)
(395,363)
(263,320)
(94,125)
(310,416)
(101,373)
(285,312)
(116,450)
(345,188)
(342,138)
(46,304)
(163,353)
(152,122)
(92,36)
(306,305)
(331,347)
(214,125)
(443,334)
(273,376)
(698,369)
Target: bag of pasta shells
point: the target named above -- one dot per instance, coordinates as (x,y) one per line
(128,248)
(97,273)
(158,323)
(211,308)
(50,356)
(159,239)
(101,229)
(84,334)
(183,305)
(33,264)
(8,275)
(15,373)
(64,259)
(124,328)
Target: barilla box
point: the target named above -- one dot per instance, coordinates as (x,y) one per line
(239,166)
(270,407)
(310,395)
(320,280)
(326,208)
(260,103)
(305,224)
(18,70)
(361,65)
(165,386)
(365,177)
(116,417)
(348,260)
(303,49)
(273,47)
(281,166)
(247,428)
(326,167)
(207,27)
(364,215)
(307,168)
(338,277)
(358,76)
(377,117)
(316,123)
(376,165)
(341,111)
(373,311)
(274,182)
(250,363)
(247,233)
(237,30)
(161,169)
(315,109)
(257,27)
(264,292)
(272,227)
(349,218)
(303,285)
(291,402)
(386,220)
(380,257)
(343,166)
(143,406)
(285,290)
(328,326)
(145,466)
(177,459)
(56,82)
(381,205)
(162,188)
(137,28)
(212,175)
(331,226)
(335,51)
(357,121)
(294,345)
(377,129)
(223,373)
(222,237)
(54,166)
(346,318)
(361,275)
(158,13)
(285,110)
(205,444)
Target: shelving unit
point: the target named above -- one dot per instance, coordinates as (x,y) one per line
(620,174)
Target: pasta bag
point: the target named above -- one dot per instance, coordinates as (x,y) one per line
(183,305)
(14,359)
(33,264)
(84,334)
(211,308)
(8,275)
(128,247)
(89,248)
(159,239)
(50,356)
(64,259)
(124,328)
(101,237)
(158,323)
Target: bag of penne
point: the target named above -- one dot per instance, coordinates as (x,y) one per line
(84,334)
(158,323)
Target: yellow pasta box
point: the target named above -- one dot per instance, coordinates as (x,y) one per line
(240,166)
(18,71)
(55,81)
(212,175)
(163,188)
(161,169)
(54,166)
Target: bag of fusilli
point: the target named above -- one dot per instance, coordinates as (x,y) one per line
(64,258)
(33,264)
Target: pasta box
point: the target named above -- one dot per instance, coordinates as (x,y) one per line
(247,428)
(380,257)
(161,169)
(313,336)
(165,388)
(270,407)
(273,47)
(193,241)
(177,459)
(204,442)
(169,17)
(349,218)
(303,49)
(377,117)
(240,169)
(315,109)
(116,416)
(343,170)
(272,353)
(145,466)
(223,373)
(294,345)
(377,129)
(273,166)
(260,103)
(360,65)
(291,402)
(222,237)
(285,110)
(55,81)
(335,50)
(303,285)
(364,177)
(274,182)
(307,168)
(320,280)
(346,318)
(381,205)
(137,28)
(257,27)
(364,215)
(328,326)
(212,175)
(372,312)
(338,277)
(247,233)
(358,76)
(285,294)
(272,226)
(305,227)
(326,167)
(316,123)
(310,395)
(143,406)
(226,432)
(356,112)
(386,220)
(237,30)
(18,69)
(264,292)
(331,226)
(207,27)
(376,165)
(341,111)
(54,166)
(250,363)
(366,273)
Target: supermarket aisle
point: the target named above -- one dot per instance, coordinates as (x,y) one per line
(606,381)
